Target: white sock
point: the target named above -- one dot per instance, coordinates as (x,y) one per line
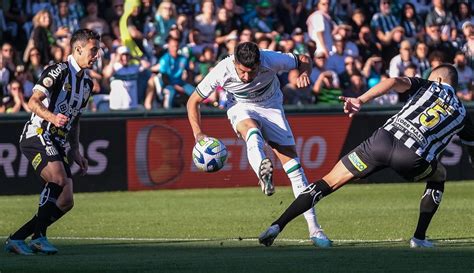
(255,146)
(295,172)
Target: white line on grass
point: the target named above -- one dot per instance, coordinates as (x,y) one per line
(132,239)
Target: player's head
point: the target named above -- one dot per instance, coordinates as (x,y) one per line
(247,61)
(85,47)
(447,73)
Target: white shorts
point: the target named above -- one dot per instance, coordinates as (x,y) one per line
(270,119)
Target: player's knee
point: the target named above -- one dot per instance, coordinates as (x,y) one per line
(60,180)
(439,175)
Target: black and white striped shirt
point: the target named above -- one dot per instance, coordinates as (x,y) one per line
(430,118)
(67,91)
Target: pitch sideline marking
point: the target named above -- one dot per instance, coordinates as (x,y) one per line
(132,239)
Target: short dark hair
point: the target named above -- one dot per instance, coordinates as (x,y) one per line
(448,73)
(247,54)
(84,35)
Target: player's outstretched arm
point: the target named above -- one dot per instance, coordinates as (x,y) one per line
(194,115)
(36,106)
(353,105)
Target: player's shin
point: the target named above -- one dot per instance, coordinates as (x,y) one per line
(255,145)
(26,230)
(428,206)
(296,174)
(48,211)
(306,200)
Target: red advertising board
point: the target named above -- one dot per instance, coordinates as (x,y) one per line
(159,152)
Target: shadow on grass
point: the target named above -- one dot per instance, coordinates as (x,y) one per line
(242,256)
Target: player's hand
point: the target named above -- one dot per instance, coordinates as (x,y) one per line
(351,105)
(81,161)
(200,136)
(303,80)
(60,120)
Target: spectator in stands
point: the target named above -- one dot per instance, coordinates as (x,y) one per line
(42,37)
(206,22)
(436,58)
(174,75)
(165,17)
(390,98)
(384,22)
(4,78)
(24,78)
(402,60)
(393,48)
(468,46)
(14,101)
(182,24)
(327,88)
(300,45)
(123,77)
(246,35)
(235,13)
(230,44)
(10,58)
(65,23)
(411,71)
(319,65)
(269,44)
(421,56)
(366,44)
(34,64)
(58,55)
(345,32)
(264,22)
(337,55)
(412,23)
(206,61)
(373,70)
(224,26)
(357,21)
(465,86)
(443,18)
(17,26)
(321,27)
(435,42)
(356,87)
(292,13)
(292,95)
(463,14)
(350,69)
(92,19)
(342,11)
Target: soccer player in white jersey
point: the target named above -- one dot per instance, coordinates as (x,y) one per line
(255,111)
(409,143)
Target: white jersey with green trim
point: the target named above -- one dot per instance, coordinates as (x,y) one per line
(261,89)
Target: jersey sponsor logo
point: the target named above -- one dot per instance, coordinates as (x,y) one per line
(64,108)
(36,161)
(408,128)
(47,82)
(357,162)
(54,73)
(51,151)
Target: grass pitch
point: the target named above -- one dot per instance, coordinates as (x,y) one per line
(215,230)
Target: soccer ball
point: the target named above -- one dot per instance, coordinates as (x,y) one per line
(209,154)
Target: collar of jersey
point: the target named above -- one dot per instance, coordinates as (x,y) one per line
(73,64)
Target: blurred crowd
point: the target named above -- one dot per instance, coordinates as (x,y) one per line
(154,53)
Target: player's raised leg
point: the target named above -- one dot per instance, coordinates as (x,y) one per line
(429,204)
(293,169)
(255,144)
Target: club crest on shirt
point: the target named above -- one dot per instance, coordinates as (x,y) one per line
(47,82)
(67,87)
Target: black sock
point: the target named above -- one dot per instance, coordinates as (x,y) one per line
(48,212)
(428,206)
(305,200)
(26,230)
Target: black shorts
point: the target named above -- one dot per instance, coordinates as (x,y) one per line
(39,153)
(383,150)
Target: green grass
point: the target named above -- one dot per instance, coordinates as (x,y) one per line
(215,230)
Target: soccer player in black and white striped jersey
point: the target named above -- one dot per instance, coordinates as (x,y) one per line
(409,143)
(58,99)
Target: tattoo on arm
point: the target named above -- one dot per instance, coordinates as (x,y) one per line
(36,106)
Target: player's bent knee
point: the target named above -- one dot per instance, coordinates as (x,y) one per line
(439,175)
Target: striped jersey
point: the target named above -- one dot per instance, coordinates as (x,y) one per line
(260,89)
(430,118)
(67,92)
